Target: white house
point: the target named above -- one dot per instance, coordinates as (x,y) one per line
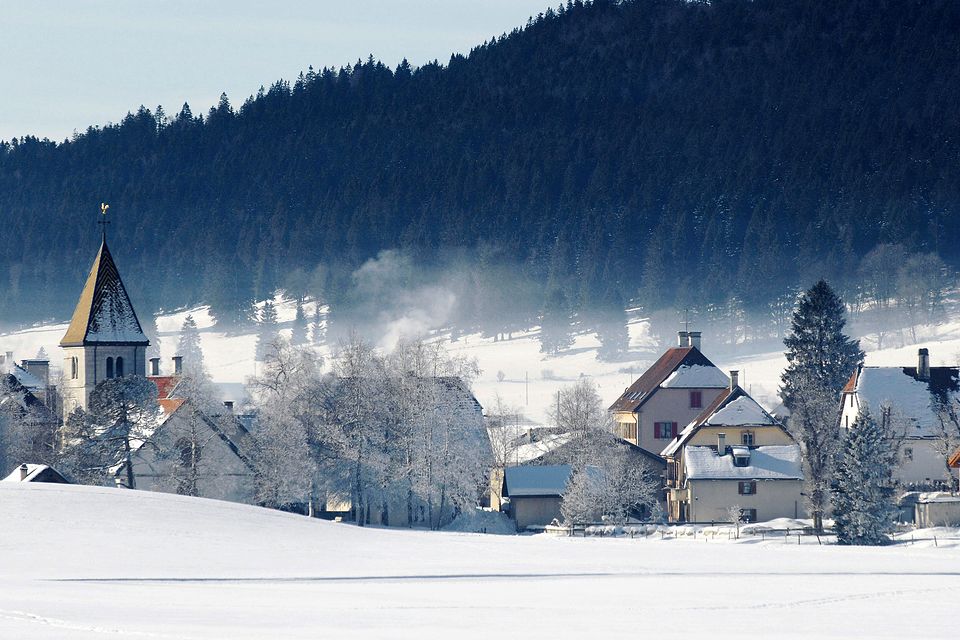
(921,406)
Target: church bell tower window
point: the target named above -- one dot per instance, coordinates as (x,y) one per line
(119,367)
(109,367)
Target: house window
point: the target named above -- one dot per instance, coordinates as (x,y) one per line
(119,367)
(741,461)
(747,488)
(664,430)
(627,430)
(748,515)
(696,399)
(746,438)
(109,367)
(74,368)
(908,454)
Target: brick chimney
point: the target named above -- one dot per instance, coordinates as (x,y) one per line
(734,379)
(923,364)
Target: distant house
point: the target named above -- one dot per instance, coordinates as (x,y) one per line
(194,449)
(535,493)
(36,473)
(671,393)
(734,454)
(920,404)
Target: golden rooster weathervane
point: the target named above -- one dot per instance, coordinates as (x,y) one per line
(103,219)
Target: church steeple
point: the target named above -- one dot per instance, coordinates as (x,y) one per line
(104,313)
(104,339)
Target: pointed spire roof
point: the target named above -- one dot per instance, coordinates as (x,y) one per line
(104,314)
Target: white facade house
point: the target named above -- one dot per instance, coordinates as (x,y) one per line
(920,405)
(735,454)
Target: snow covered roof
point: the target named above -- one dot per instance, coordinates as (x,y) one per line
(696,376)
(774,462)
(104,313)
(937,496)
(909,398)
(548,480)
(741,412)
(35,473)
(732,408)
(646,385)
(26,378)
(530,451)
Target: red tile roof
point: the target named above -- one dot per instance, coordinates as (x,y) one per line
(170,405)
(954,461)
(851,385)
(165,385)
(641,390)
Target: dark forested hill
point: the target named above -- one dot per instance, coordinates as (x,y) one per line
(656,151)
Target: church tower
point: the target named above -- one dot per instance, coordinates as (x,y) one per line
(104,339)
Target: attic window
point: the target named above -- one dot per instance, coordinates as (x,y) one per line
(741,457)
(746,438)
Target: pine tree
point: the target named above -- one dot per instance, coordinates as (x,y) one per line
(865,491)
(299,335)
(555,331)
(817,349)
(189,347)
(267,329)
(316,333)
(820,358)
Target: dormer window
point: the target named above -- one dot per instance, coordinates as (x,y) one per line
(741,457)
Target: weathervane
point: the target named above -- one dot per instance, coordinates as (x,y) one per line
(103,219)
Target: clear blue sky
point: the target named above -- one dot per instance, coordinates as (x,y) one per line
(68,64)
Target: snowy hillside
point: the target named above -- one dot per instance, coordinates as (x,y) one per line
(86,562)
(530,379)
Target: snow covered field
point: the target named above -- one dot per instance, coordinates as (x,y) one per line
(86,562)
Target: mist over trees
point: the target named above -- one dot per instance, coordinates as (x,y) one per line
(654,151)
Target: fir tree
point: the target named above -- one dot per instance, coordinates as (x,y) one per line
(299,335)
(818,351)
(865,491)
(267,329)
(555,332)
(189,347)
(820,358)
(317,333)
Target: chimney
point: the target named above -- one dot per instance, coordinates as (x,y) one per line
(24,471)
(682,339)
(154,366)
(734,379)
(721,444)
(228,405)
(695,340)
(177,365)
(9,358)
(923,366)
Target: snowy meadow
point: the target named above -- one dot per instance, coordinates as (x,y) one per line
(87,562)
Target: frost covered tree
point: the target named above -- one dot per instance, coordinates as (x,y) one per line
(266,329)
(283,447)
(121,416)
(579,412)
(316,332)
(189,347)
(27,433)
(865,491)
(820,358)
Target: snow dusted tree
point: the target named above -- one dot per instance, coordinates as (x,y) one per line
(615,483)
(299,335)
(122,416)
(865,491)
(189,347)
(947,436)
(735,517)
(27,432)
(820,358)
(283,450)
(267,329)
